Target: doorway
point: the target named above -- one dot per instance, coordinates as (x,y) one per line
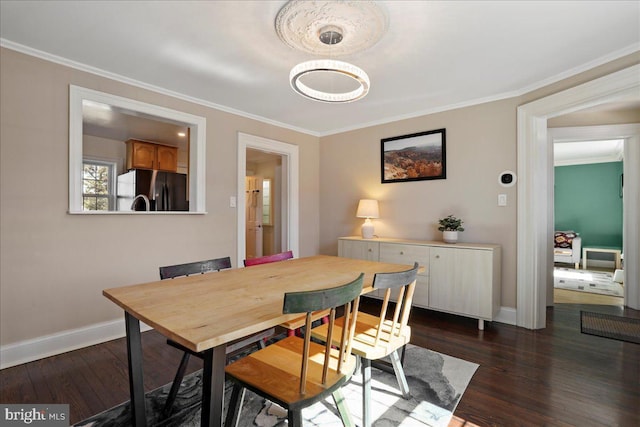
(276,162)
(587,200)
(254,235)
(264,203)
(535,219)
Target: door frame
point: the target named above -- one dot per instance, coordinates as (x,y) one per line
(535,189)
(290,185)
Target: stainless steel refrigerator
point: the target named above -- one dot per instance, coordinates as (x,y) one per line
(151,190)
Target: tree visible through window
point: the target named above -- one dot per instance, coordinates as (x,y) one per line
(97,185)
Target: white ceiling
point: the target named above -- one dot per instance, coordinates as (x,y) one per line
(435,55)
(587,152)
(118,124)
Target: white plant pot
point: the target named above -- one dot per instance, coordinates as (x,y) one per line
(450,236)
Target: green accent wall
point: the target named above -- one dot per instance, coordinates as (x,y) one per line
(587,199)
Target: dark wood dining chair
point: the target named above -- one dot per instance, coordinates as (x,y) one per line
(198,267)
(295,372)
(188,269)
(293,326)
(376,336)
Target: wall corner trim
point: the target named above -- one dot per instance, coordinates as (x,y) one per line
(507,315)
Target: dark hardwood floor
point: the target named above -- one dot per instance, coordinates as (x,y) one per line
(552,377)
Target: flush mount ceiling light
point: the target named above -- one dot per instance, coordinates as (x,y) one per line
(333,28)
(328,80)
(326,67)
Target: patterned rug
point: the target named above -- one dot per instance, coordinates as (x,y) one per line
(436,381)
(595,282)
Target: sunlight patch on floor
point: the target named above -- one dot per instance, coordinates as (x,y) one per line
(572,274)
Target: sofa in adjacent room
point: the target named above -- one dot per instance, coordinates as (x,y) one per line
(567,247)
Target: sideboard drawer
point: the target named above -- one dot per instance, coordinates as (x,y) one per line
(363,249)
(399,253)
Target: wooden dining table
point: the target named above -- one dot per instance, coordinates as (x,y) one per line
(205,312)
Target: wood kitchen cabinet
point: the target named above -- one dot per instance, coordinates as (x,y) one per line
(463,278)
(148,155)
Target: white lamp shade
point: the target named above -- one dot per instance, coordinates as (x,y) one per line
(368,208)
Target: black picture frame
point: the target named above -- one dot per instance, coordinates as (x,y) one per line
(415,157)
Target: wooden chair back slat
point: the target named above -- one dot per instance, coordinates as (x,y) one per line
(399,307)
(268,258)
(383,313)
(305,357)
(352,316)
(408,302)
(197,267)
(327,350)
(309,301)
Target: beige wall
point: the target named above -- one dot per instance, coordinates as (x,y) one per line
(481,142)
(54,266)
(613,116)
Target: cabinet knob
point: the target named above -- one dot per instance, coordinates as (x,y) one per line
(369,249)
(437,256)
(401,252)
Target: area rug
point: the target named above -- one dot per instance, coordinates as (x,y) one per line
(437,382)
(595,282)
(610,326)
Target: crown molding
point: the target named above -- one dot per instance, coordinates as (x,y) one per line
(498,97)
(137,83)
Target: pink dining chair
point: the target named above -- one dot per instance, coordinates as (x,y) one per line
(268,258)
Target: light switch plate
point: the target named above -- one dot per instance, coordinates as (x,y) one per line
(502,200)
(232,201)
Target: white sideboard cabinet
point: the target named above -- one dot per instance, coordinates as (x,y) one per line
(461,278)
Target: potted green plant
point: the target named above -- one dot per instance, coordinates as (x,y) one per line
(450,225)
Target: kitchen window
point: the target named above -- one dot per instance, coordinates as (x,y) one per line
(98,185)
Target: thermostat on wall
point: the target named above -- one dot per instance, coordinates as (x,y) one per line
(507,179)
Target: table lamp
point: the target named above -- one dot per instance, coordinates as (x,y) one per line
(367,208)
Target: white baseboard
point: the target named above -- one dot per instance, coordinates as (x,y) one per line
(62,342)
(73,339)
(506,315)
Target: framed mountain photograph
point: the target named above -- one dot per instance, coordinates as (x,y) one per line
(416,157)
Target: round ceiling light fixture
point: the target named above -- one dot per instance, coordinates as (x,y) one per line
(328,80)
(328,72)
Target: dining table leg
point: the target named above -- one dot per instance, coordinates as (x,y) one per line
(213,386)
(134,357)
